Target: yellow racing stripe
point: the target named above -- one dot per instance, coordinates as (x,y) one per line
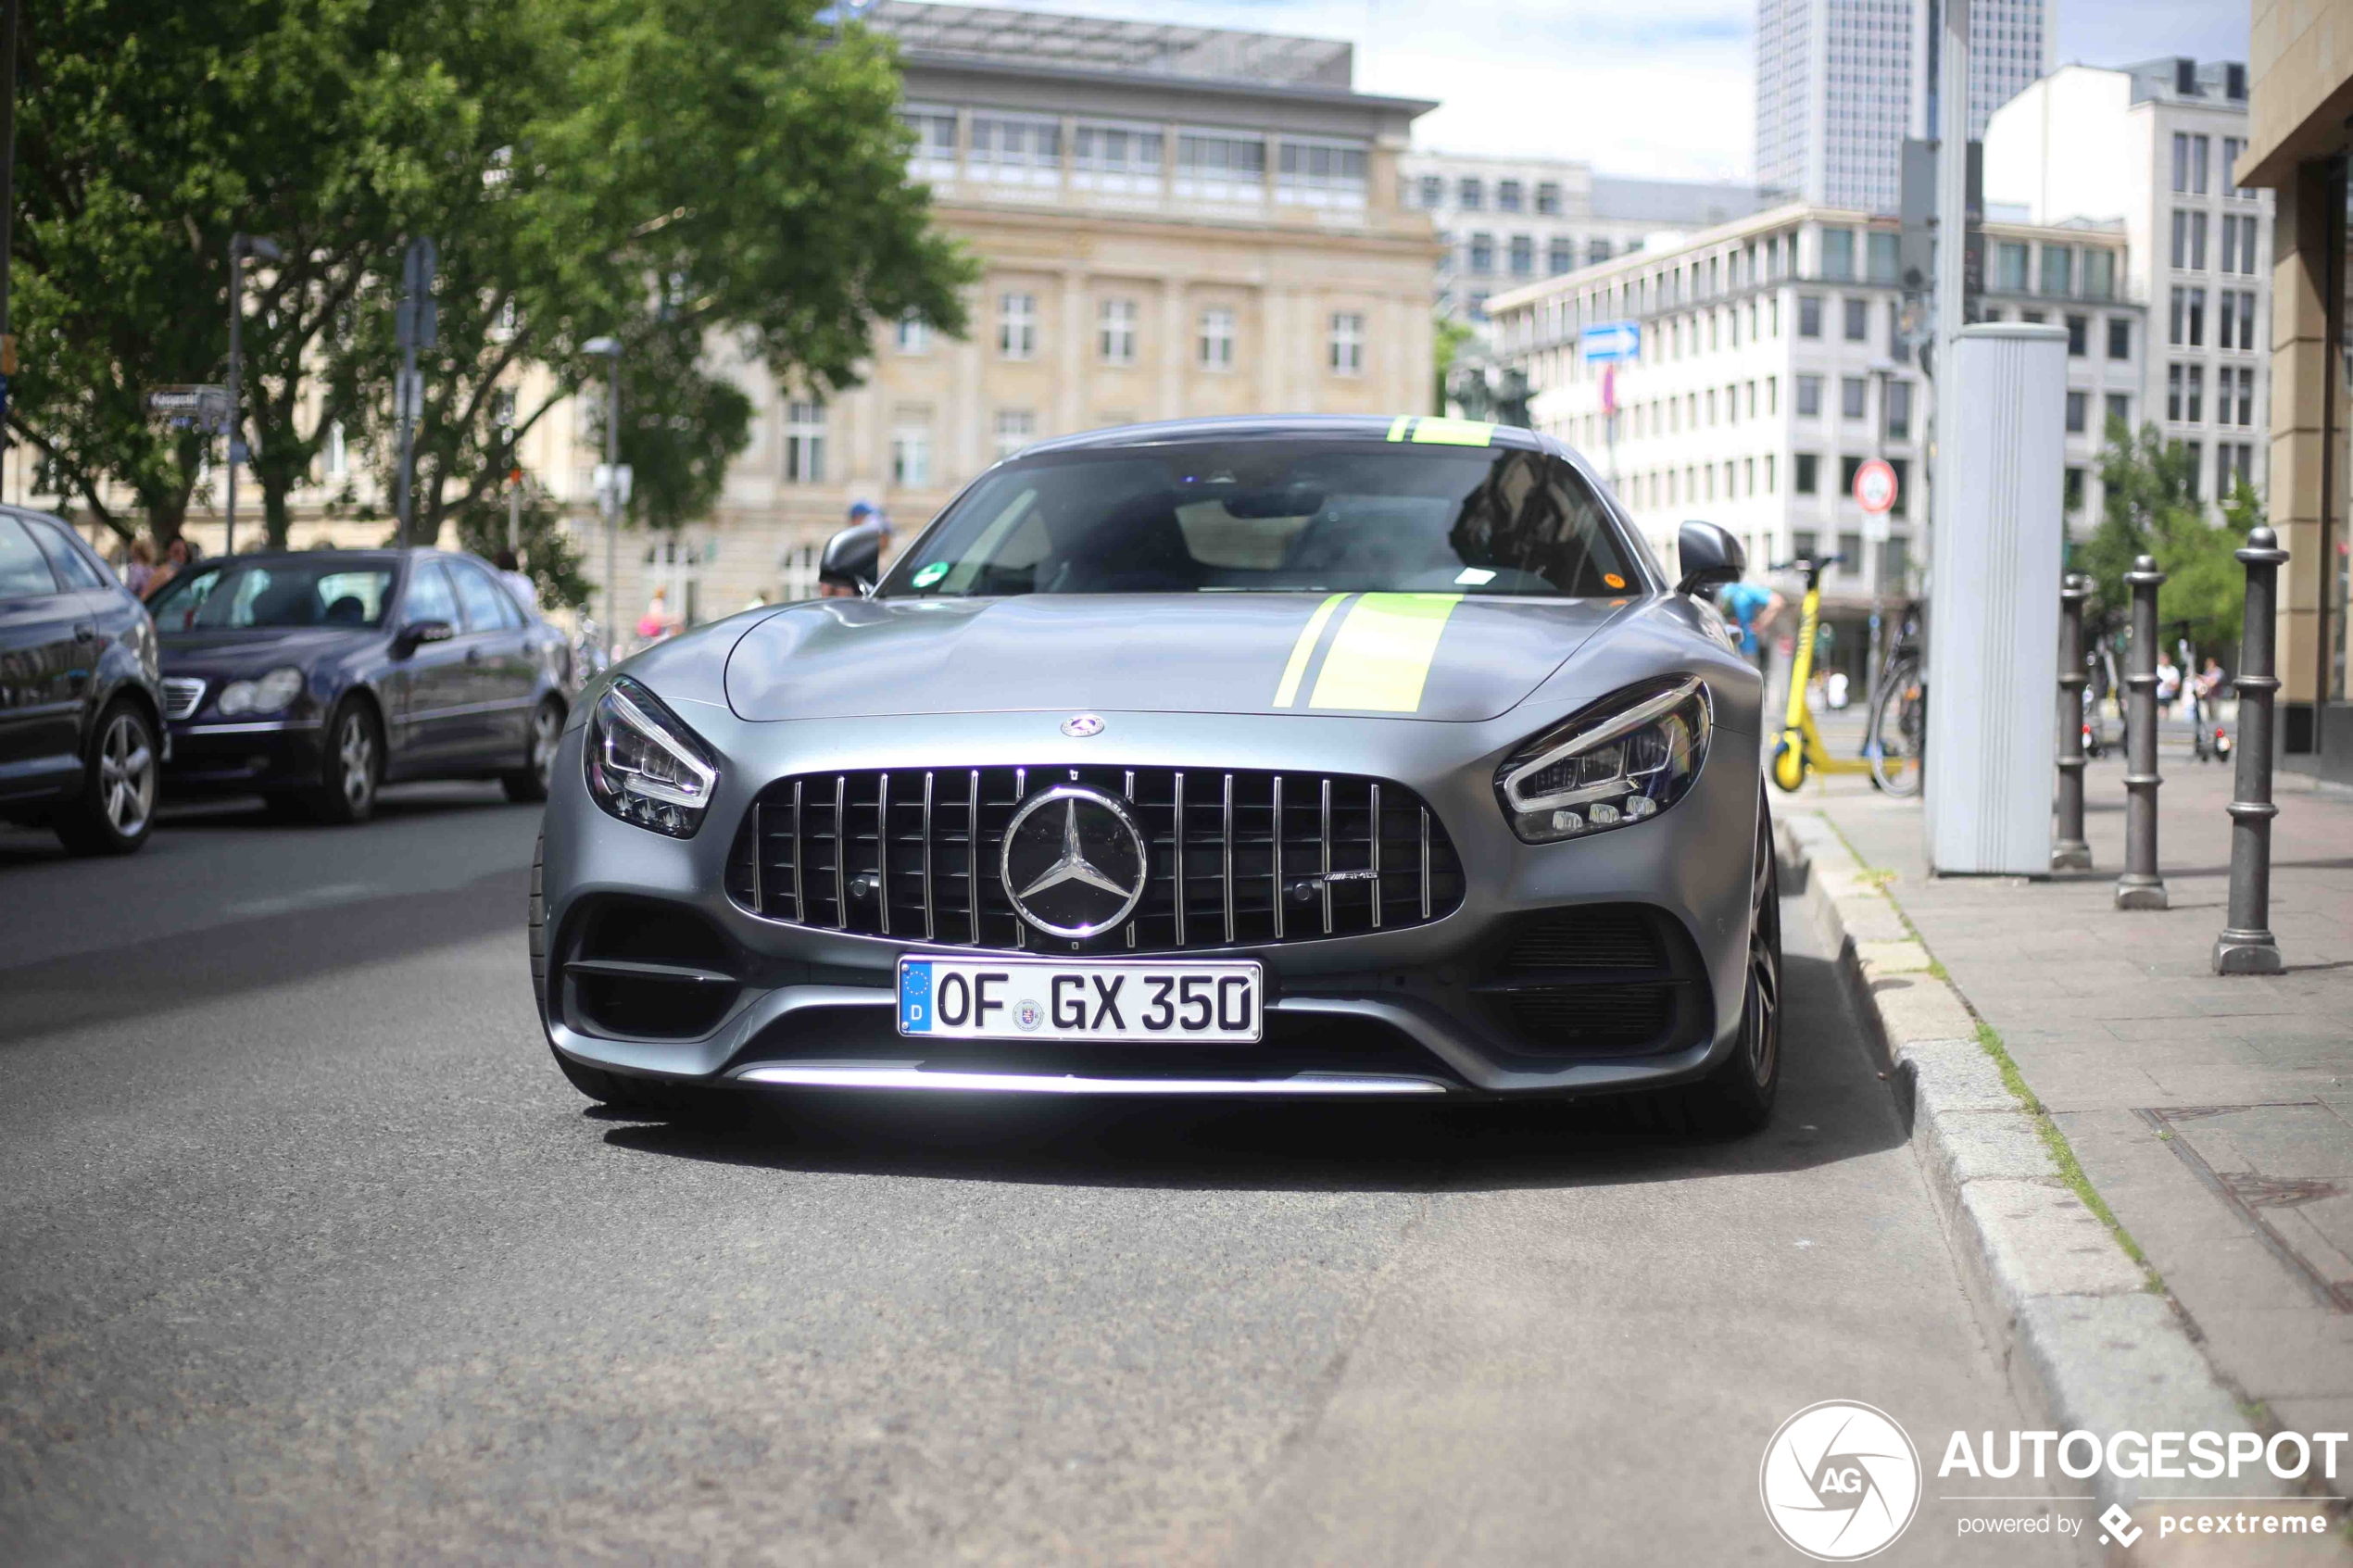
(1381,657)
(1398,426)
(1452,433)
(1305,649)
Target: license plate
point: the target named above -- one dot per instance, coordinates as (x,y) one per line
(1048,999)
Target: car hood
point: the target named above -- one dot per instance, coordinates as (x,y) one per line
(1420,655)
(254,650)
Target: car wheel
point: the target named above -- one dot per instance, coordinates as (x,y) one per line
(116,809)
(352,770)
(529,782)
(1738,1097)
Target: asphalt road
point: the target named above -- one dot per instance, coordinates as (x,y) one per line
(306,1253)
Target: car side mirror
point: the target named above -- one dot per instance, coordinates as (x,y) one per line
(1709,557)
(852,559)
(417,633)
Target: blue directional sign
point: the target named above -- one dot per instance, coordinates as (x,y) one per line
(1611,340)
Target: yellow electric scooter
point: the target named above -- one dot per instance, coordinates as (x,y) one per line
(1800,751)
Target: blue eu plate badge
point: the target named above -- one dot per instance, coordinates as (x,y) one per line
(915,998)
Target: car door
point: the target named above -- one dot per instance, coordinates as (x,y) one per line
(429,730)
(499,659)
(48,649)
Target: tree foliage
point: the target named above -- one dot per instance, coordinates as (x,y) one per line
(685,177)
(2152,507)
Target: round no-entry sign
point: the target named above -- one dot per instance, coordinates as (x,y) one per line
(1875,486)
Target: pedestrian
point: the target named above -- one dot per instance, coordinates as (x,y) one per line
(863,512)
(525,589)
(1751,606)
(2169,682)
(178,557)
(139,567)
(656,624)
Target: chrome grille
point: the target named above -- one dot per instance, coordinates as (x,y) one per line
(1236,858)
(181,694)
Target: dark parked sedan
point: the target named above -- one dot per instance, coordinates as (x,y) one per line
(81,709)
(313,678)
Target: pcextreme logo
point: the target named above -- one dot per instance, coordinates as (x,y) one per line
(1840,1481)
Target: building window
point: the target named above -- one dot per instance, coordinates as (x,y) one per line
(1809,314)
(1015,428)
(1469,194)
(2010,276)
(1218,339)
(2120,409)
(2197,455)
(1116,149)
(1433,191)
(1838,255)
(2059,272)
(914,335)
(2119,337)
(1809,398)
(2193,405)
(1523,255)
(1596,252)
(1561,256)
(1347,344)
(1853,398)
(805,443)
(2173,392)
(2247,320)
(1322,173)
(2187,322)
(2246,394)
(1115,331)
(1769,473)
(1507,195)
(911,452)
(2099,274)
(2073,499)
(1858,319)
(2199,146)
(1017,326)
(2078,410)
(1886,258)
(2180,162)
(1482,253)
(1221,167)
(1548,199)
(1008,144)
(2078,336)
(1894,555)
(934,148)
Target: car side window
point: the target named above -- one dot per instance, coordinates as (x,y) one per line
(429,596)
(24,571)
(480,597)
(73,567)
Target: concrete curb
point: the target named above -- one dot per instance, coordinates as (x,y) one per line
(2083,1339)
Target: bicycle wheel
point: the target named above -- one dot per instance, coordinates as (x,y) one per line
(1898,734)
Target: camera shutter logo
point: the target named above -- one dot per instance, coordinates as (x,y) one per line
(1840,1481)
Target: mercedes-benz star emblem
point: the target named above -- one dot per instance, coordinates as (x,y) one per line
(1073,861)
(1083,724)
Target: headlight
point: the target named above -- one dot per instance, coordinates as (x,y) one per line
(645,766)
(269,694)
(1625,760)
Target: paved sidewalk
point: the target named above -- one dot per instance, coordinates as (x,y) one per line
(2214,1115)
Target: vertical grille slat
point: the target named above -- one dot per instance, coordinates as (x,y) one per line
(1228,866)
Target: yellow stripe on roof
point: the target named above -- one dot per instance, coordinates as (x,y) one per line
(1452,433)
(1305,649)
(1381,659)
(1397,427)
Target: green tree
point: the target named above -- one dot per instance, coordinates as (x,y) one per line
(2152,507)
(1451,336)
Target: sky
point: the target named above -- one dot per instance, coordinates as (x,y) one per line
(1662,88)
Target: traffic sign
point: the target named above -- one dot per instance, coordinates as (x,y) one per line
(1875,487)
(1610,339)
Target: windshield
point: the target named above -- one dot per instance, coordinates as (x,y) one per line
(279,593)
(1273,517)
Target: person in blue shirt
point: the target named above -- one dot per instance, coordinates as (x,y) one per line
(1752,607)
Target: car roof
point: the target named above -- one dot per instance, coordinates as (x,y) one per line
(1300,427)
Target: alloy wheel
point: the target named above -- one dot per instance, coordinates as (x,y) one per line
(126,775)
(356,750)
(1761,1004)
(547,729)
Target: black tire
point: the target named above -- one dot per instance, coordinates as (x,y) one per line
(1737,1098)
(1898,738)
(352,771)
(114,811)
(632,1096)
(528,784)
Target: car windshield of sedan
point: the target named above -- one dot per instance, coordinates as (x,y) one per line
(1320,516)
(279,593)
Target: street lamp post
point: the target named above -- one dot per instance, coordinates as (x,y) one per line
(608,499)
(241,245)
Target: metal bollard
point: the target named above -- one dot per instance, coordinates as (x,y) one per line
(2140,887)
(2072,852)
(2246,945)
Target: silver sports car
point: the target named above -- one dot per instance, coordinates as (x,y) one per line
(1273,757)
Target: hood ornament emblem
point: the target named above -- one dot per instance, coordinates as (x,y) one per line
(1076,873)
(1081,725)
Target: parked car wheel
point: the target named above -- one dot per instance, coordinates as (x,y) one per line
(116,809)
(352,770)
(528,783)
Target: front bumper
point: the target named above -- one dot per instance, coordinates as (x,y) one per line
(1421,1010)
(226,756)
